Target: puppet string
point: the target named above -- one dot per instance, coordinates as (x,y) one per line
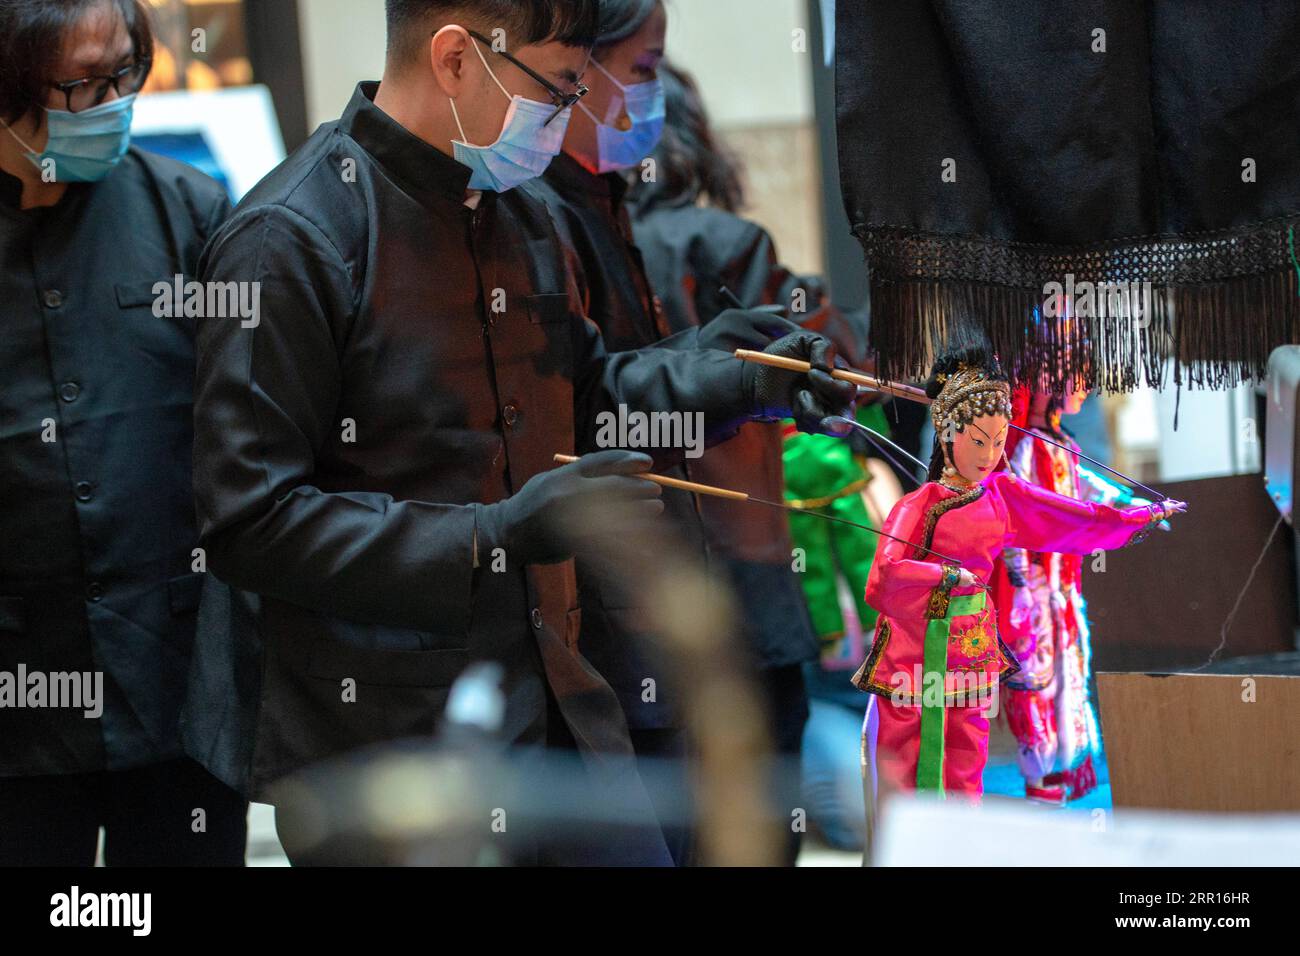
(1241,596)
(979,582)
(903,469)
(782,506)
(1118,474)
(883,445)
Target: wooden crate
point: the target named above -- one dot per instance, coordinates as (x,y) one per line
(1226,742)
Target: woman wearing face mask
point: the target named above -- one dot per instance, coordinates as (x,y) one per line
(610,132)
(689,228)
(613,131)
(936,658)
(98,574)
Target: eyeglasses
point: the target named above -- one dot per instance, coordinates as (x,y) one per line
(90,91)
(561,99)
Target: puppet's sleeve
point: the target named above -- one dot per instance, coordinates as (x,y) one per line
(1041,520)
(898,585)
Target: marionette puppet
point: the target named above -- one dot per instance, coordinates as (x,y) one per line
(1042,615)
(937,661)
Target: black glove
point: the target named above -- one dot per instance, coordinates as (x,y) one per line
(562,512)
(744,329)
(807,398)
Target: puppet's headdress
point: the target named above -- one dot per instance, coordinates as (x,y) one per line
(967,394)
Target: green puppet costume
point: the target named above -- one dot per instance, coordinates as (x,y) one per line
(824,474)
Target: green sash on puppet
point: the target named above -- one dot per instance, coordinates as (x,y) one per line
(929,764)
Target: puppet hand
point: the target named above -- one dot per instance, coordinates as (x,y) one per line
(809,398)
(562,512)
(966,579)
(1137,502)
(1169,507)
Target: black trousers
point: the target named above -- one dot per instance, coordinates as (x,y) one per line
(150,817)
(669,786)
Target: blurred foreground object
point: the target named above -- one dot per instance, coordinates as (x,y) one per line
(466,799)
(916,831)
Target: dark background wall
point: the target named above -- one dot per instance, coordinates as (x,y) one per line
(845,265)
(1162,604)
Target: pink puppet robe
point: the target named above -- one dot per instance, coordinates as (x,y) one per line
(907,587)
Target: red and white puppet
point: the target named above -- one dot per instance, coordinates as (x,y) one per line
(1042,615)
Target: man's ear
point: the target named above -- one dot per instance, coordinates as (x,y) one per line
(447,51)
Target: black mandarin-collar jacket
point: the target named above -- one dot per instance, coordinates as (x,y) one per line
(96,509)
(415,360)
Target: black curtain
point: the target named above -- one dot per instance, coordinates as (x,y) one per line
(990,148)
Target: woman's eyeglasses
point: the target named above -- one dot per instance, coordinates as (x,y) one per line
(561,99)
(90,91)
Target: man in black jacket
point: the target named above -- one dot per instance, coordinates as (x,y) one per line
(99,572)
(373,456)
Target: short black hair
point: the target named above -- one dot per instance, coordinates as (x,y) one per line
(32,33)
(526,22)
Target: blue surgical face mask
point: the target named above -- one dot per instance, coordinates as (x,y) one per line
(84,147)
(524,149)
(625,149)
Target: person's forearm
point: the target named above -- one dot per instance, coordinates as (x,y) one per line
(361,557)
(265,405)
(709,384)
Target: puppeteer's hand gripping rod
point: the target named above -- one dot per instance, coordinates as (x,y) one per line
(870,383)
(912,393)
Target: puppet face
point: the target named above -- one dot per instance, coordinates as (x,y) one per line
(977,448)
(1068,402)
(1072,401)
